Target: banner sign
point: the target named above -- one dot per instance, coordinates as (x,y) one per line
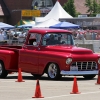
(30,13)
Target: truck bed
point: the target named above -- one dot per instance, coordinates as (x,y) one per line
(10,46)
(12,56)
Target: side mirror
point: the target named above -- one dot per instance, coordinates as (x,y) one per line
(35,43)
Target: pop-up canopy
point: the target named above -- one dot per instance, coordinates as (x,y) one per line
(21,22)
(64,25)
(56,13)
(4,25)
(47,23)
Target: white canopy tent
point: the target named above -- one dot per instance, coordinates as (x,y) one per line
(47,23)
(4,25)
(26,26)
(56,13)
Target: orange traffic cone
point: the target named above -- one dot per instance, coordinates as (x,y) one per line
(37,91)
(19,76)
(98,79)
(75,87)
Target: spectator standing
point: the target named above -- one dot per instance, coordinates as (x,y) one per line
(1,35)
(10,36)
(93,35)
(74,34)
(88,35)
(15,38)
(21,37)
(80,35)
(5,34)
(98,36)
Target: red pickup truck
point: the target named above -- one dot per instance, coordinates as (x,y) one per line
(50,51)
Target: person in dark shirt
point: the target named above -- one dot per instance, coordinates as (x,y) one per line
(36,3)
(51,40)
(15,38)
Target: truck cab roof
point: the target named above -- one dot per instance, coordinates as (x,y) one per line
(48,30)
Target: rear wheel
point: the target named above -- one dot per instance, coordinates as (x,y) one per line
(89,76)
(3,72)
(53,71)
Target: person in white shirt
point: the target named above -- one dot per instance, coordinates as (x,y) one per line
(1,35)
(80,35)
(21,37)
(5,34)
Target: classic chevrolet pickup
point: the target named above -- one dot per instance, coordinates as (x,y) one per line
(50,51)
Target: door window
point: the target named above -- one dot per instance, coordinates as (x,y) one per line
(34,39)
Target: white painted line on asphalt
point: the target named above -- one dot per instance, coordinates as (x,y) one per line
(66,95)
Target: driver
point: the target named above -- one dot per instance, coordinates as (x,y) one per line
(51,40)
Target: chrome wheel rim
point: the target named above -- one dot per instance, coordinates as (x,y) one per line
(52,70)
(0,69)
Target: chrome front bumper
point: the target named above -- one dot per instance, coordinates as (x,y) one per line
(95,72)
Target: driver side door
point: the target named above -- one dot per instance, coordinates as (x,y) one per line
(29,55)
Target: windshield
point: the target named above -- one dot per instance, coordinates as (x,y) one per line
(57,39)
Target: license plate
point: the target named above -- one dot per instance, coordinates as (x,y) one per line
(73,68)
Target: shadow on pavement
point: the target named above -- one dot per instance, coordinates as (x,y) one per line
(66,78)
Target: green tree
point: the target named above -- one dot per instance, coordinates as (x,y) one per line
(98,11)
(93,7)
(88,4)
(70,7)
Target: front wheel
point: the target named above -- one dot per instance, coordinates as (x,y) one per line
(3,72)
(89,76)
(53,71)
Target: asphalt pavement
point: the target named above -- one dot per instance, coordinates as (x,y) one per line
(10,89)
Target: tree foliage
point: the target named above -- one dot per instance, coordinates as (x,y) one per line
(93,7)
(69,7)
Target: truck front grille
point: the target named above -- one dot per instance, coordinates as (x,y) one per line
(85,65)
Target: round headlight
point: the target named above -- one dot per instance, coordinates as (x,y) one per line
(99,60)
(69,60)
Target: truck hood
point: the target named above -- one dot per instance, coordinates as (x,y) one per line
(69,49)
